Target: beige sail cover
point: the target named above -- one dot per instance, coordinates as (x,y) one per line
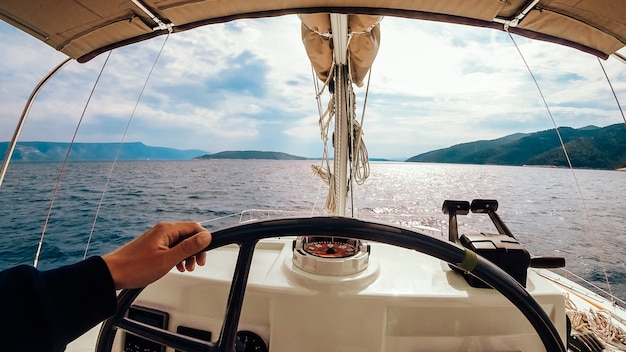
(83,29)
(364,43)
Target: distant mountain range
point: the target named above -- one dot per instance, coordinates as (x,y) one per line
(588,147)
(53,151)
(251,154)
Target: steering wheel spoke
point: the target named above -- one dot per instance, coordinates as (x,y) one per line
(235,297)
(158,335)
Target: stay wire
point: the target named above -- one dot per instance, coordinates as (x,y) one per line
(594,238)
(64,164)
(121,144)
(351,112)
(612,90)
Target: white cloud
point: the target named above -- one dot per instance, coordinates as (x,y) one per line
(248,84)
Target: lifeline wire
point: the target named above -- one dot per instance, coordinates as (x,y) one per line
(63,166)
(119,148)
(569,162)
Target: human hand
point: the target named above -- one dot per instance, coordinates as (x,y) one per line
(150,256)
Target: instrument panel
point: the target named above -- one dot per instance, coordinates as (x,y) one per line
(247,341)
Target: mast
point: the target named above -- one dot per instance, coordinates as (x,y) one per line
(339,27)
(336,255)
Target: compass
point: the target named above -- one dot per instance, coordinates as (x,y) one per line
(330,255)
(331,247)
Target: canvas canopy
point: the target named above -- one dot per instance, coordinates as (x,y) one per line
(83,29)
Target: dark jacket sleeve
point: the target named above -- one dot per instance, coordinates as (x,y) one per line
(45,310)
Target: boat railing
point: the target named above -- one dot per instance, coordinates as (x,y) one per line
(598,292)
(252,215)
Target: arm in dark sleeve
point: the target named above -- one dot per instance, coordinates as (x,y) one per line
(44,311)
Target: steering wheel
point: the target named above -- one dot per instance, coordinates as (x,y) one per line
(248,234)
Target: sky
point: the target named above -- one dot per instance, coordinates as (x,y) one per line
(248,85)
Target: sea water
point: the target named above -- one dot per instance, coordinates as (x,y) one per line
(578,215)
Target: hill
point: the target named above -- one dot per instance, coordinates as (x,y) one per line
(465,153)
(587,147)
(251,154)
(53,151)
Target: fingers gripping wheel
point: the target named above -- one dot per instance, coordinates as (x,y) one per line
(248,234)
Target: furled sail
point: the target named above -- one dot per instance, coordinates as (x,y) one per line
(364,40)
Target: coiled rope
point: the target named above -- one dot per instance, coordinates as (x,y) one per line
(598,322)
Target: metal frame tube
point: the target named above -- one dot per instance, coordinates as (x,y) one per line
(22,120)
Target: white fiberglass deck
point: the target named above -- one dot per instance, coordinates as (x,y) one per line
(404,301)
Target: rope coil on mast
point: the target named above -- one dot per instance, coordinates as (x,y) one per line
(359,163)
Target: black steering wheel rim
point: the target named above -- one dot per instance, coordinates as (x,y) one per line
(246,235)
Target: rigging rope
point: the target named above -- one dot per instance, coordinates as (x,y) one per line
(121,144)
(359,161)
(64,164)
(323,171)
(569,162)
(598,322)
(317,170)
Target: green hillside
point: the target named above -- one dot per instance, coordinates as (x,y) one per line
(588,147)
(251,154)
(53,151)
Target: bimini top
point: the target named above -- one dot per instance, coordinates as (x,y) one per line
(83,29)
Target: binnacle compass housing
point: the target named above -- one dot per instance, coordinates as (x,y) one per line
(335,256)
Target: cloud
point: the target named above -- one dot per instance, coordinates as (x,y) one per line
(248,85)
